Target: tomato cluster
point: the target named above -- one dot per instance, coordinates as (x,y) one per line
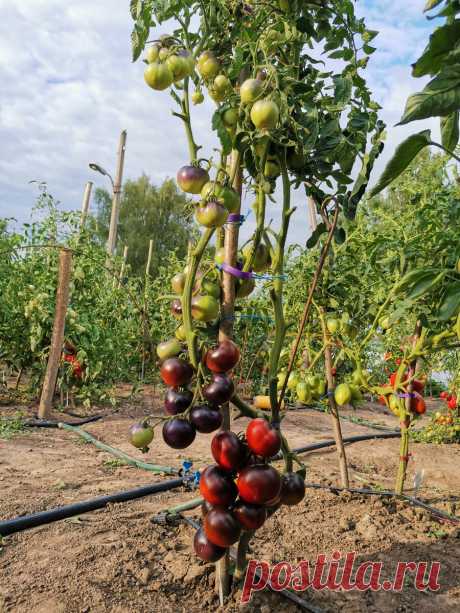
(450,399)
(242,489)
(417,402)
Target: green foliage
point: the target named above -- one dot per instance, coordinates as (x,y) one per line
(147,212)
(12,426)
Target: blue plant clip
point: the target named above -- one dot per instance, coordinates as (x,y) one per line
(196,478)
(187,465)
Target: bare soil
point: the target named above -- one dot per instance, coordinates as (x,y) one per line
(117,560)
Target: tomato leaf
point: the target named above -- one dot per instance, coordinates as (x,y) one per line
(425,284)
(442,41)
(450,130)
(403,156)
(343,86)
(413,277)
(450,305)
(314,238)
(222,133)
(440,97)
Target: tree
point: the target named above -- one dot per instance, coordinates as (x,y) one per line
(147,212)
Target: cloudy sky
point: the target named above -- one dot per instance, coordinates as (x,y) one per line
(68,88)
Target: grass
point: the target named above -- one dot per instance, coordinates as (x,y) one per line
(9,427)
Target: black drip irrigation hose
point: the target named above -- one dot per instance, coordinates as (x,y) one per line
(44,423)
(10,526)
(292,596)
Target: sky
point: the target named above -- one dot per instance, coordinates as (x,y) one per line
(68,88)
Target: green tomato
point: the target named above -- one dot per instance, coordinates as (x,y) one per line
(163,54)
(179,66)
(205,308)
(152,54)
(216,95)
(321,388)
(303,392)
(230,118)
(343,394)
(197,97)
(211,215)
(356,395)
(208,65)
(293,380)
(210,287)
(223,194)
(265,114)
(168,349)
(244,287)
(333,325)
(359,377)
(250,90)
(284,5)
(281,380)
(180,333)
(312,381)
(158,76)
(219,257)
(222,84)
(178,283)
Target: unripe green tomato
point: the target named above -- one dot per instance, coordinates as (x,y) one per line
(163,54)
(261,258)
(179,66)
(312,381)
(244,287)
(222,84)
(393,404)
(205,308)
(211,288)
(208,65)
(197,97)
(211,215)
(230,118)
(342,394)
(216,95)
(281,380)
(180,333)
(169,349)
(303,392)
(356,395)
(152,54)
(158,76)
(293,380)
(321,388)
(265,114)
(250,90)
(333,325)
(359,377)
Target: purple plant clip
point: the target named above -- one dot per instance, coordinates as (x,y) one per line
(235,272)
(235,218)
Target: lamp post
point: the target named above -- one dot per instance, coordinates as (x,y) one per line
(116,191)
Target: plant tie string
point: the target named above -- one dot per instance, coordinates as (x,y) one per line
(247,316)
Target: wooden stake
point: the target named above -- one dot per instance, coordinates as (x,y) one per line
(149,258)
(123,266)
(57,339)
(85,204)
(333,406)
(112,240)
(226,333)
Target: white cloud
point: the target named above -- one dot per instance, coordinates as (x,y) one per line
(69,88)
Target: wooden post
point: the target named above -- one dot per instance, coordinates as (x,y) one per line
(225,333)
(123,266)
(149,258)
(112,240)
(85,203)
(57,339)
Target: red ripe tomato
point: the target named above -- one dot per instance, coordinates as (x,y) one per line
(258,484)
(452,403)
(223,358)
(444,395)
(334,372)
(382,400)
(205,550)
(398,361)
(292,489)
(228,450)
(250,516)
(217,486)
(221,528)
(176,372)
(393,379)
(417,405)
(263,439)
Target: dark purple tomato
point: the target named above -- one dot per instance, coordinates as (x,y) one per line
(217,486)
(176,372)
(191,179)
(259,484)
(205,419)
(228,450)
(178,433)
(223,358)
(176,308)
(177,401)
(220,390)
(250,516)
(221,528)
(292,489)
(205,550)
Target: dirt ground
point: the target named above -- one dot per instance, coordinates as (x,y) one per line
(117,560)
